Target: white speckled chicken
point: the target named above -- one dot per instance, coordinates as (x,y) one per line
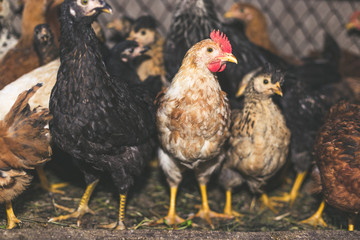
(193,120)
(259,141)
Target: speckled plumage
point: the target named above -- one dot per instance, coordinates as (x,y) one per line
(337,150)
(259,140)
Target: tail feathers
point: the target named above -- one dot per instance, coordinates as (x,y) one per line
(331,50)
(20,107)
(24,141)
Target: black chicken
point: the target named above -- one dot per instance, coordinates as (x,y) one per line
(308,90)
(101,121)
(44,44)
(120,63)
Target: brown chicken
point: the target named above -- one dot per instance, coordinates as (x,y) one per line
(337,150)
(24,144)
(255,24)
(259,141)
(256,28)
(145,34)
(354,22)
(193,120)
(23,58)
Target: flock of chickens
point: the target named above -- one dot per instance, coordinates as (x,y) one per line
(212,96)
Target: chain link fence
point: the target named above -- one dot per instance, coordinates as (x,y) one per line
(295,26)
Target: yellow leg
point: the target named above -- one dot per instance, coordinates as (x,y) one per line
(83,207)
(286,197)
(205,212)
(316,219)
(228,210)
(351,222)
(267,202)
(172,218)
(45,183)
(119,225)
(12,220)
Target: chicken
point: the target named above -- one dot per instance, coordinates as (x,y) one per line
(193,120)
(256,28)
(119,28)
(8,35)
(354,22)
(255,24)
(23,58)
(259,141)
(337,151)
(120,64)
(24,145)
(44,44)
(150,63)
(104,124)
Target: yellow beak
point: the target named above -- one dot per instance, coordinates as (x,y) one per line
(277,89)
(229,58)
(228,14)
(107,9)
(350,25)
(241,90)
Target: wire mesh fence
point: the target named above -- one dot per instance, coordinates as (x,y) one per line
(295,26)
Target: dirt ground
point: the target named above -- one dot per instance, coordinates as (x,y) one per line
(149,201)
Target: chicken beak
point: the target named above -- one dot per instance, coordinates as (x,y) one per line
(241,91)
(229,14)
(229,58)
(277,89)
(350,25)
(106,9)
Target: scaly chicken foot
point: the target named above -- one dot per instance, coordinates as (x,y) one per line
(83,207)
(205,212)
(228,209)
(44,183)
(172,218)
(267,202)
(291,197)
(119,225)
(316,219)
(12,220)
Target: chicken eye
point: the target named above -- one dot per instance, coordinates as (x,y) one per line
(84,2)
(131,50)
(210,49)
(242,10)
(266,81)
(143,32)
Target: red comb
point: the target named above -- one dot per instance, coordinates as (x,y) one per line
(222,39)
(354,15)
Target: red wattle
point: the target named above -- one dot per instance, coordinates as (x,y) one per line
(216,66)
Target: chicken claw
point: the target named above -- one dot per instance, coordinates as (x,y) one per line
(12,220)
(228,210)
(267,202)
(316,219)
(120,224)
(205,212)
(82,209)
(291,197)
(53,188)
(172,218)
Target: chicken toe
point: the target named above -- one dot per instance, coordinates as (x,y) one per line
(83,206)
(267,202)
(316,219)
(119,225)
(291,197)
(53,188)
(12,220)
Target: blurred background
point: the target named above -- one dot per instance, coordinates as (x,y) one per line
(295,26)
